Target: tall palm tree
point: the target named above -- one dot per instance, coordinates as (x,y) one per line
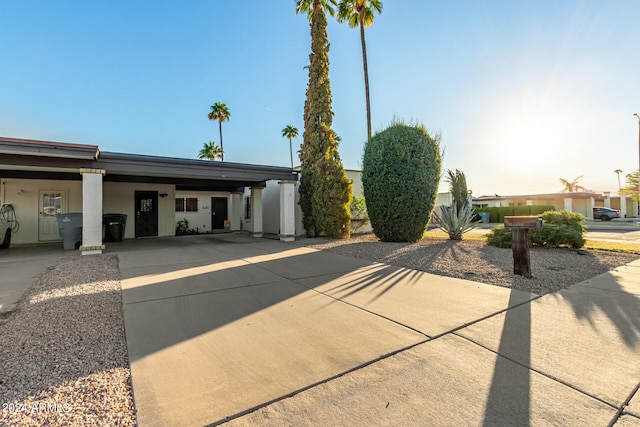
(220,112)
(210,151)
(290,132)
(360,13)
(308,6)
(572,186)
(618,172)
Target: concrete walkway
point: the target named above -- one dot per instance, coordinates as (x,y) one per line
(21,266)
(227,328)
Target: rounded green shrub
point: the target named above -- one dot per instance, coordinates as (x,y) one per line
(400,175)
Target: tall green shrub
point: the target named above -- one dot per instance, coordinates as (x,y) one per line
(400,174)
(458,188)
(325,190)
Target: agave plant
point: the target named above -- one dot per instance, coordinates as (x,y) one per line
(455,223)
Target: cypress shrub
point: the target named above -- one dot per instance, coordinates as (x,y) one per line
(400,175)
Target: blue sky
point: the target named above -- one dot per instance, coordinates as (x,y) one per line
(523,93)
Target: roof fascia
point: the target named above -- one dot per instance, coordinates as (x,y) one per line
(26,147)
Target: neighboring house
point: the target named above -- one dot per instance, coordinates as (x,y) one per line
(581,202)
(42,179)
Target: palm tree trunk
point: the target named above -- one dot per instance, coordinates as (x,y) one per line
(366,76)
(221,147)
(291,152)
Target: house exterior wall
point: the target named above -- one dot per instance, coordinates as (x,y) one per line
(24,195)
(357,190)
(119,197)
(201,219)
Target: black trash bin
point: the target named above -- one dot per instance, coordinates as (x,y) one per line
(114,225)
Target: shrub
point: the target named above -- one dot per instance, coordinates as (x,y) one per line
(400,175)
(500,237)
(497,214)
(359,215)
(558,229)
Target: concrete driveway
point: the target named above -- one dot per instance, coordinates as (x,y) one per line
(20,267)
(228,328)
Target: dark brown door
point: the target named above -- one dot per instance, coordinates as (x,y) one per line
(219,212)
(146,213)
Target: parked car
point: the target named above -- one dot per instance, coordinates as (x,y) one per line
(605,214)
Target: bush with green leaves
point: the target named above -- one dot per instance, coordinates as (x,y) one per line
(558,229)
(497,214)
(400,175)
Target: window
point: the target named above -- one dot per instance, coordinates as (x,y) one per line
(189,204)
(247,207)
(192,204)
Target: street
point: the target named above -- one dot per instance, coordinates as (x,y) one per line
(597,230)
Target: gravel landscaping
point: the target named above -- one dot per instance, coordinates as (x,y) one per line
(552,269)
(64,354)
(63,350)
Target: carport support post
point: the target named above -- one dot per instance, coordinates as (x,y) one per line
(91,211)
(256,211)
(287,211)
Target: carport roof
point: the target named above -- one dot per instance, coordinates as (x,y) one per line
(44,159)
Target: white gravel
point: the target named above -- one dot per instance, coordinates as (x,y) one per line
(63,351)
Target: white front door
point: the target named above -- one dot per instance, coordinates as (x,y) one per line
(52,202)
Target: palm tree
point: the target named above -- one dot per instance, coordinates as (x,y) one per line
(572,186)
(308,6)
(618,172)
(210,151)
(290,132)
(360,13)
(220,112)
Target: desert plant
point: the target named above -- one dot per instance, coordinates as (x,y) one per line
(455,223)
(400,174)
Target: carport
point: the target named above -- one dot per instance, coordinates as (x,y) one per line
(85,174)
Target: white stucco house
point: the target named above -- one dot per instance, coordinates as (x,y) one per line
(42,179)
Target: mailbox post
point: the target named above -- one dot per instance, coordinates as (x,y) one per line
(520,226)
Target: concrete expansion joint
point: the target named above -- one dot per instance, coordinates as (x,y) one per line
(539,372)
(624,405)
(321,382)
